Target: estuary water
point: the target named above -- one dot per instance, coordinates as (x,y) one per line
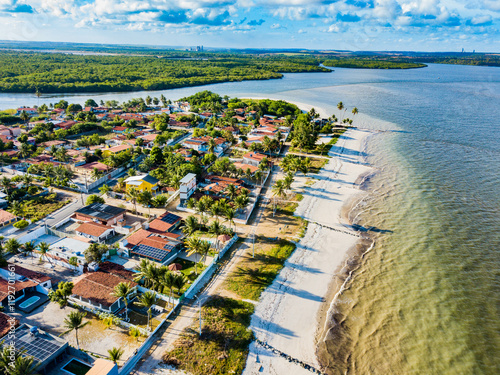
(425,299)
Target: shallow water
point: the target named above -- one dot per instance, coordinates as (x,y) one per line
(425,299)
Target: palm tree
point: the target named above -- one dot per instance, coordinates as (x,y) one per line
(341,107)
(43,248)
(231,191)
(322,147)
(258,176)
(175,181)
(27,180)
(28,248)
(168,281)
(288,180)
(74,322)
(12,246)
(26,365)
(204,249)
(62,154)
(17,208)
(115,354)
(132,195)
(123,290)
(147,300)
(150,273)
(190,225)
(194,246)
(279,189)
(24,116)
(146,199)
(105,190)
(215,210)
(216,228)
(355,111)
(240,202)
(179,282)
(229,214)
(211,146)
(6,184)
(25,150)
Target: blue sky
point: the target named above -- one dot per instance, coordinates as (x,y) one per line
(420,25)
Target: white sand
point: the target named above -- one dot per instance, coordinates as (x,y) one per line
(287,314)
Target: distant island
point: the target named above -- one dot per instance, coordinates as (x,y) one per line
(366,63)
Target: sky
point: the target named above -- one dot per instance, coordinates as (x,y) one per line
(376,25)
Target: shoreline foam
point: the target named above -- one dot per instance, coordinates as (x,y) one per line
(293,312)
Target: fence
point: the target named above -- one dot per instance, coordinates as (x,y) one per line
(32,235)
(132,361)
(103,179)
(208,272)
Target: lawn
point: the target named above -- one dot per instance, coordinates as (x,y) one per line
(188,271)
(222,347)
(256,274)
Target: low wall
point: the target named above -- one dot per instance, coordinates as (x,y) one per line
(32,235)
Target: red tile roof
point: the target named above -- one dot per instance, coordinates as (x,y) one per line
(5,323)
(93,229)
(98,287)
(6,216)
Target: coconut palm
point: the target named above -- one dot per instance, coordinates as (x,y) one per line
(179,282)
(24,116)
(132,195)
(148,272)
(96,174)
(123,290)
(146,199)
(160,201)
(168,281)
(147,300)
(355,111)
(27,180)
(231,191)
(43,248)
(28,248)
(194,247)
(204,249)
(288,180)
(12,246)
(240,202)
(211,146)
(17,208)
(258,176)
(115,354)
(279,189)
(6,184)
(322,147)
(24,150)
(190,225)
(215,210)
(175,181)
(216,229)
(21,365)
(229,214)
(74,322)
(105,190)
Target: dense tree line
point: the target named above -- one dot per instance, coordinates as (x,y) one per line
(369,63)
(54,72)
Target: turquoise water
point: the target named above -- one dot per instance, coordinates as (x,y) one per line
(426,297)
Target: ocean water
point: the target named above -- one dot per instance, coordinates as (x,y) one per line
(426,298)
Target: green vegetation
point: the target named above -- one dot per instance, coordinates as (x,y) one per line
(222,347)
(250,280)
(54,72)
(40,207)
(21,224)
(368,63)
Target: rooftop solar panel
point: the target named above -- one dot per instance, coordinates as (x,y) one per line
(170,218)
(40,346)
(150,252)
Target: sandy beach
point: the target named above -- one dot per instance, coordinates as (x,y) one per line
(291,313)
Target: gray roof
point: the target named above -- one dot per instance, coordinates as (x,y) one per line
(101,211)
(150,179)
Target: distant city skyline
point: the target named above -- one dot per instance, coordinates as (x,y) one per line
(397,25)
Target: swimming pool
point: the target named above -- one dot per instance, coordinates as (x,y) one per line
(30,301)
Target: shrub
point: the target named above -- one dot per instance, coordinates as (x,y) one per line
(21,224)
